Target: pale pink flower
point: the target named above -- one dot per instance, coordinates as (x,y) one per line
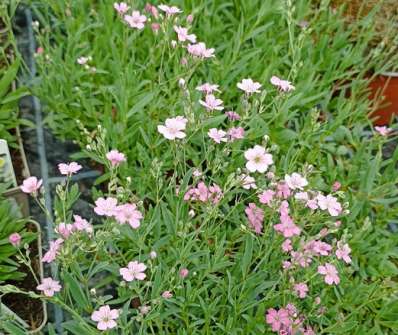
(286,265)
(144,309)
(217,135)
(81,224)
(258,159)
(135,20)
(303,196)
(330,273)
(170,10)
(312,204)
(184,273)
(255,216)
(337,223)
(343,252)
(40,50)
(134,271)
(287,228)
(200,50)
(329,203)
(302,259)
(105,317)
(64,229)
(167,295)
(232,116)
(128,213)
(190,18)
(115,157)
(105,206)
(295,181)
(31,185)
(183,35)
(153,254)
(336,186)
(283,85)
(208,88)
(215,193)
(236,133)
(212,103)
(83,60)
(15,239)
(196,173)
(53,250)
(301,290)
(121,7)
(287,245)
(69,169)
(249,86)
(383,130)
(173,128)
(248,182)
(266,197)
(49,286)
(278,320)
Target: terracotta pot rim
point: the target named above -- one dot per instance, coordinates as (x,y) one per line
(389,74)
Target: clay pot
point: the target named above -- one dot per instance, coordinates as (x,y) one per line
(385,85)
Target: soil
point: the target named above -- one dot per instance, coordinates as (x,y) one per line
(18,165)
(28,309)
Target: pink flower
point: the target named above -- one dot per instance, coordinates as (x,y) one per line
(215,193)
(278,319)
(283,191)
(81,224)
(105,206)
(287,245)
(184,273)
(248,182)
(212,103)
(255,216)
(128,213)
(312,204)
(295,181)
(320,248)
(121,7)
(52,252)
(301,290)
(232,116)
(170,10)
(133,271)
(105,317)
(249,86)
(336,186)
(15,239)
(31,185)
(283,85)
(153,254)
(343,252)
(65,230)
(217,135)
(286,265)
(208,88)
(266,197)
(115,157)
(174,128)
(330,273)
(49,286)
(236,133)
(135,20)
(258,159)
(167,295)
(182,34)
(155,27)
(152,10)
(200,50)
(69,169)
(146,309)
(287,228)
(383,130)
(330,203)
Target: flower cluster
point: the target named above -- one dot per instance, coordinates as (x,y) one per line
(203,193)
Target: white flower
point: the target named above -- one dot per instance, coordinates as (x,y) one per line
(258,159)
(295,181)
(249,86)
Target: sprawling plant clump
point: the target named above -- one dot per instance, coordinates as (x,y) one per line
(244,190)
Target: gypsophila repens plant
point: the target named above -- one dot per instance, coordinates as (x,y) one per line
(237,205)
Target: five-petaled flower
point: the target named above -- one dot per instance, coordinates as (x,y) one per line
(133,271)
(330,273)
(105,317)
(249,86)
(173,128)
(135,20)
(49,287)
(258,159)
